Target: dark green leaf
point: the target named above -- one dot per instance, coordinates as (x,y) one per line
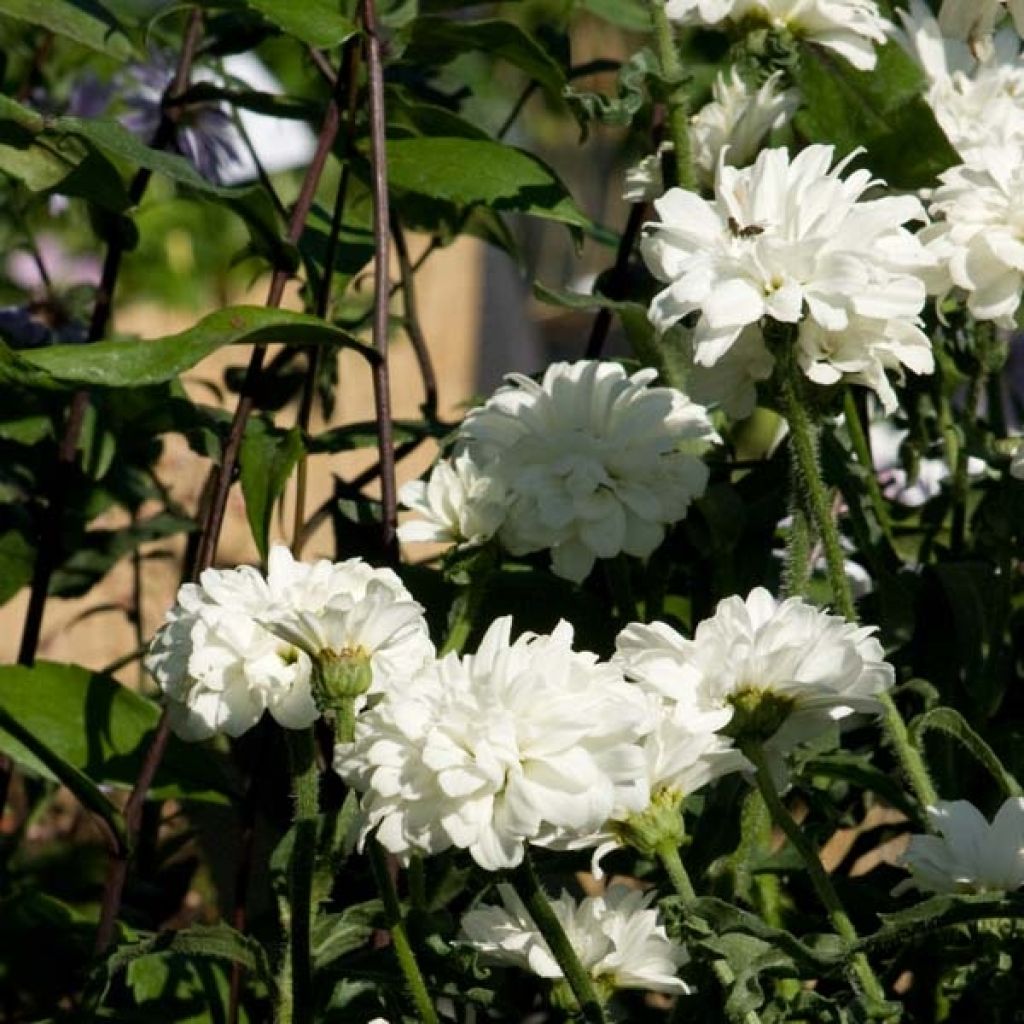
(316,22)
(437,41)
(101,729)
(17,558)
(117,364)
(882,110)
(85,21)
(267,459)
(633,15)
(469,171)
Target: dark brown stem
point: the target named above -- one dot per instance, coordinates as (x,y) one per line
(382,244)
(616,280)
(117,872)
(413,327)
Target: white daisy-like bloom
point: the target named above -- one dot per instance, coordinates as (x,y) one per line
(337,607)
(790,240)
(644,181)
(978,237)
(489,751)
(219,670)
(863,351)
(975,21)
(850,28)
(977,95)
(737,120)
(460,504)
(969,854)
(617,937)
(596,462)
(785,670)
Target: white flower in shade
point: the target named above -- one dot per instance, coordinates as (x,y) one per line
(785,239)
(731,382)
(785,670)
(488,751)
(969,854)
(849,27)
(737,121)
(219,670)
(862,352)
(595,462)
(460,504)
(975,20)
(978,237)
(341,607)
(617,937)
(645,180)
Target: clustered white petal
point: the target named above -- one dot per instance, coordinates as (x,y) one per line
(792,241)
(968,854)
(486,752)
(815,668)
(593,462)
(849,27)
(237,643)
(617,937)
(737,120)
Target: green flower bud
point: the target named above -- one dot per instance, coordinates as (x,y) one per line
(757,714)
(660,824)
(339,677)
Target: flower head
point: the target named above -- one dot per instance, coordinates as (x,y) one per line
(790,240)
(460,504)
(617,938)
(220,670)
(594,462)
(784,671)
(969,854)
(491,750)
(851,28)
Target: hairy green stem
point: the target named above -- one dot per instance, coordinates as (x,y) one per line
(799,546)
(296,981)
(399,936)
(983,338)
(802,434)
(668,854)
(815,869)
(678,103)
(554,935)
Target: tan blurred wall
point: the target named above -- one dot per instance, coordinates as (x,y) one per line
(448,288)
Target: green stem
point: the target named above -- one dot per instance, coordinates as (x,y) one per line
(862,449)
(464,611)
(803,439)
(296,981)
(678,104)
(799,546)
(983,338)
(345,721)
(803,442)
(399,936)
(668,854)
(812,862)
(554,935)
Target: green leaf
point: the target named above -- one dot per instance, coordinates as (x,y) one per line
(17,560)
(214,942)
(470,171)
(101,729)
(316,22)
(267,459)
(882,110)
(921,921)
(950,722)
(334,935)
(85,21)
(437,41)
(86,791)
(117,364)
